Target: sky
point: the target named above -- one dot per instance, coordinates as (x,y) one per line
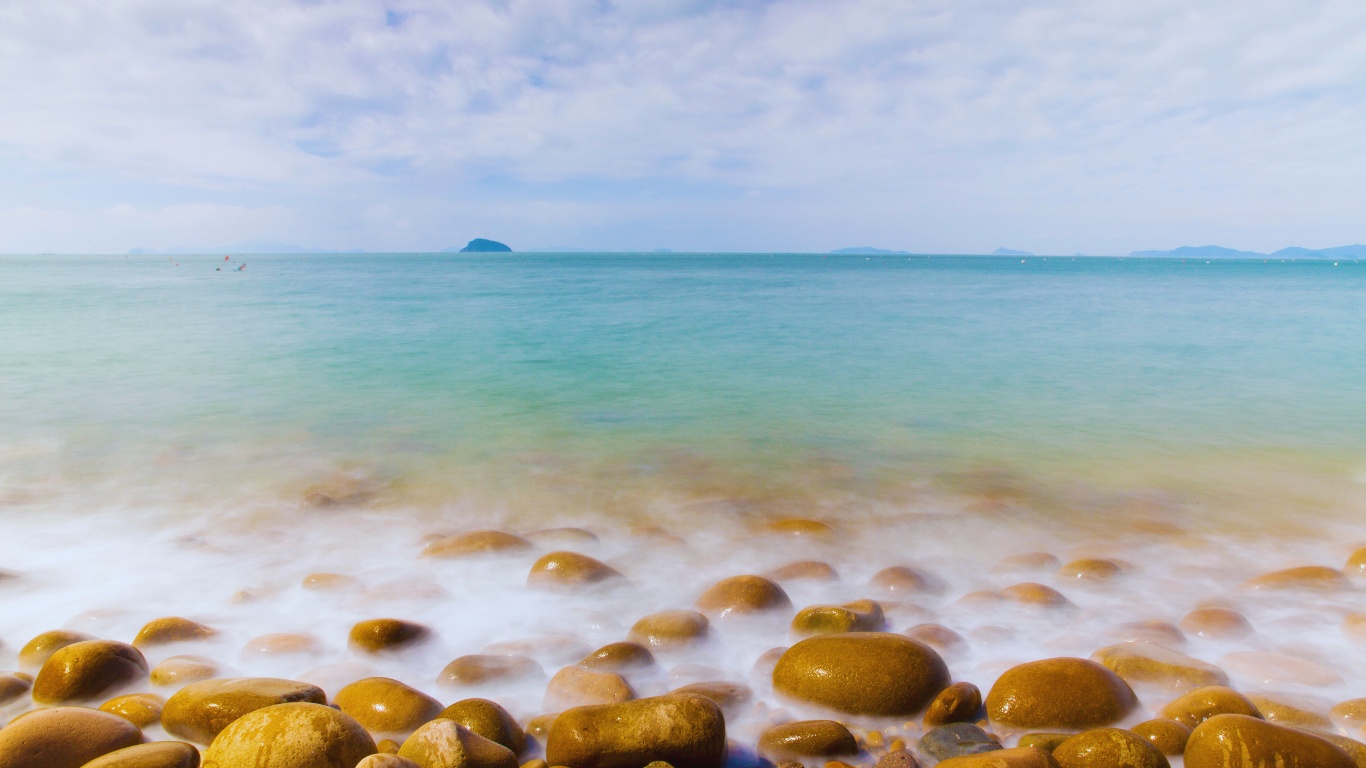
(1094,126)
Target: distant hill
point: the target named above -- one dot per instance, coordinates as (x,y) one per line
(1340,252)
(254,247)
(866,250)
(1010,252)
(1199,252)
(480,245)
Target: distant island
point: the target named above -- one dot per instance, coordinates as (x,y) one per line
(1220,252)
(1010,252)
(480,245)
(866,250)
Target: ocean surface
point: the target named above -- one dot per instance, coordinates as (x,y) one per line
(170,426)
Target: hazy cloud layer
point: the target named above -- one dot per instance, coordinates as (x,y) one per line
(788,124)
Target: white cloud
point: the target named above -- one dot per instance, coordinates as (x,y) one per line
(784,124)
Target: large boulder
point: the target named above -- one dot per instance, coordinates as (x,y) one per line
(1148,664)
(295,735)
(861,673)
(64,737)
(684,730)
(87,670)
(1065,693)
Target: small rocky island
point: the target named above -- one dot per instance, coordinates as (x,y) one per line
(480,245)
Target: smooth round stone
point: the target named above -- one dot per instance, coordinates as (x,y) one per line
(900,580)
(684,730)
(282,644)
(861,616)
(804,570)
(172,629)
(1153,631)
(1354,626)
(618,657)
(807,739)
(799,527)
(1216,624)
(1059,693)
(958,703)
(181,670)
(482,669)
(446,744)
(1169,736)
(1019,757)
(569,570)
(86,670)
(938,637)
(743,595)
(1025,562)
(1239,741)
(475,543)
(200,711)
(1356,563)
(861,673)
(1045,741)
(1199,705)
(161,754)
(488,719)
(329,582)
(1292,711)
(539,726)
(14,685)
(385,705)
(382,635)
(140,709)
(387,761)
(1090,569)
(1308,577)
(575,687)
(1350,713)
(669,630)
(1147,664)
(1110,747)
(956,740)
(1034,594)
(1354,749)
(36,651)
(64,737)
(556,649)
(1279,669)
(730,697)
(294,735)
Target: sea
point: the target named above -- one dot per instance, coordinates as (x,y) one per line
(194,435)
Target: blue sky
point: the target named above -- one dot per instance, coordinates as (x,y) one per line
(956,126)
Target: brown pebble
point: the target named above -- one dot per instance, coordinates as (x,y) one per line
(861,673)
(619,657)
(539,726)
(1031,593)
(1028,561)
(860,616)
(898,758)
(293,735)
(387,747)
(669,630)
(684,730)
(1225,741)
(86,670)
(564,537)
(1356,563)
(1199,705)
(1019,757)
(1354,626)
(1109,747)
(282,644)
(576,687)
(1350,713)
(140,709)
(799,527)
(1151,631)
(1169,736)
(37,650)
(180,670)
(380,635)
(482,669)
(329,582)
(1059,693)
(899,580)
(387,760)
(743,595)
(475,543)
(1147,664)
(14,685)
(172,629)
(161,754)
(958,703)
(488,719)
(1293,711)
(569,570)
(1090,569)
(1216,623)
(200,711)
(64,737)
(804,570)
(807,739)
(1045,741)
(385,705)
(938,637)
(1308,577)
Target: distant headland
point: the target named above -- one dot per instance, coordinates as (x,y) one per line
(480,245)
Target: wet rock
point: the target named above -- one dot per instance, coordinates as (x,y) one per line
(14,685)
(1159,632)
(1147,664)
(1354,749)
(574,687)
(1028,561)
(329,582)
(569,570)
(619,657)
(539,727)
(897,758)
(1090,569)
(1238,741)
(161,754)
(1019,757)
(860,616)
(1033,594)
(475,543)
(1309,577)
(36,651)
(958,703)
(900,580)
(488,719)
(1109,747)
(140,709)
(387,761)
(1279,669)
(295,735)
(730,697)
(86,670)
(1045,741)
(938,637)
(800,527)
(807,739)
(282,644)
(199,711)
(1169,736)
(172,629)
(804,570)
(1199,705)
(863,673)
(743,595)
(1059,693)
(1356,563)
(64,737)
(669,630)
(381,635)
(481,669)
(385,705)
(1292,711)
(684,730)
(956,740)
(556,649)
(1350,713)
(445,744)
(1216,623)
(180,670)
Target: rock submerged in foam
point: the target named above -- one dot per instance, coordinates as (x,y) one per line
(684,730)
(87,670)
(484,668)
(858,616)
(1201,704)
(670,630)
(171,629)
(160,754)
(808,570)
(741,596)
(1064,692)
(64,737)
(861,673)
(488,719)
(447,744)
(569,570)
(1109,747)
(1239,741)
(1148,664)
(381,635)
(807,739)
(1216,623)
(200,711)
(900,580)
(475,543)
(36,651)
(294,735)
(575,686)
(1090,569)
(14,685)
(618,657)
(180,670)
(140,709)
(387,706)
(1306,577)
